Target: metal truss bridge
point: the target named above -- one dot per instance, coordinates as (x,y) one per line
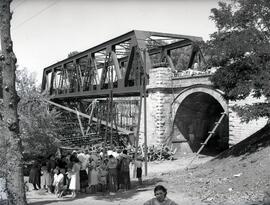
(118,66)
(114,74)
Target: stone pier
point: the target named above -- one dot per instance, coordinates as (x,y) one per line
(182,112)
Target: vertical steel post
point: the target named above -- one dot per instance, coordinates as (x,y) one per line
(145,116)
(111,103)
(106,127)
(138,122)
(115,113)
(111,118)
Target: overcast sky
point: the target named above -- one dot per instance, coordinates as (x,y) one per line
(45,31)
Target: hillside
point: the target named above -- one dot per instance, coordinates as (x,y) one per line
(238,175)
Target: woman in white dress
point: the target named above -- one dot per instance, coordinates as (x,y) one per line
(93,176)
(74,175)
(46,180)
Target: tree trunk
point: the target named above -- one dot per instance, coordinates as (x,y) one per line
(10,123)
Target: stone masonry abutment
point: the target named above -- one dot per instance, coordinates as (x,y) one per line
(182,112)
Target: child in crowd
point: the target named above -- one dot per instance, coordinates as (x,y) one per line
(55,173)
(46,180)
(58,182)
(124,169)
(93,176)
(138,166)
(102,177)
(112,168)
(64,184)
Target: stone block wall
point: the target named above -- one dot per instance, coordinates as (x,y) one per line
(159,109)
(238,130)
(192,80)
(159,123)
(159,100)
(160,78)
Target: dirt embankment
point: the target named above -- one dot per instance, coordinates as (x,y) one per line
(239,175)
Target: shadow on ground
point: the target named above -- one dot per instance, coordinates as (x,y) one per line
(148,184)
(51,198)
(50,201)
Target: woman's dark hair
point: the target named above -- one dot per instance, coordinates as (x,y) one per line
(160,188)
(43,164)
(73,158)
(51,155)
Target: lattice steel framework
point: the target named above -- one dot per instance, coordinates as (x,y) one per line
(110,72)
(116,66)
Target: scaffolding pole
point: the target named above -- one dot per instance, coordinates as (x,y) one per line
(88,116)
(80,122)
(145,110)
(139,124)
(111,117)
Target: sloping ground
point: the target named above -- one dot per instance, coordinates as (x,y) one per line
(158,172)
(237,176)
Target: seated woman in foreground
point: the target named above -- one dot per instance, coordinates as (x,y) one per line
(160,199)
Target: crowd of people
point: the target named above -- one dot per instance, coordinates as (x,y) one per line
(86,171)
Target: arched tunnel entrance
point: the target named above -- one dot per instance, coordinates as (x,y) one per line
(196,117)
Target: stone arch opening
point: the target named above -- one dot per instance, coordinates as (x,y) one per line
(195,116)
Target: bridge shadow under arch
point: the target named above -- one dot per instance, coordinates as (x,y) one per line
(196,111)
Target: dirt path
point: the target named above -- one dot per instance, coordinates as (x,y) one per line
(136,196)
(133,197)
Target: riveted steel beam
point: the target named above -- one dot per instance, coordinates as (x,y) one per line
(126,57)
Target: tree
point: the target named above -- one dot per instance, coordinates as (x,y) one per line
(241,50)
(9,123)
(73,53)
(40,127)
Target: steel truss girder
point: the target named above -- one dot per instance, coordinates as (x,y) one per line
(96,72)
